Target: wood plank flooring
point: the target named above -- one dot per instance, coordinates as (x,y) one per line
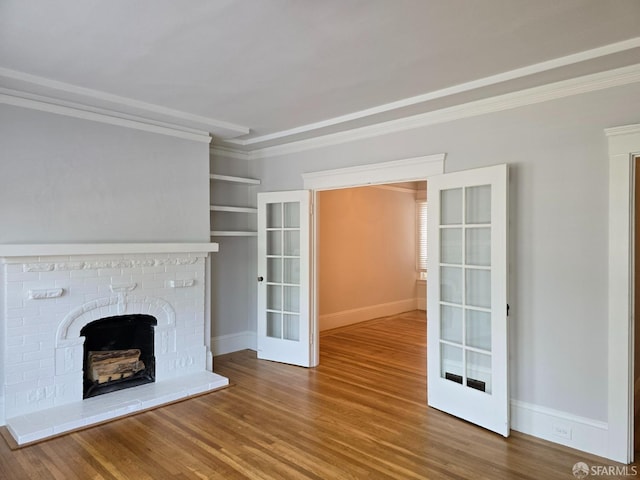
(361,414)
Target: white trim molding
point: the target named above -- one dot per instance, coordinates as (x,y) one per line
(445,92)
(361,314)
(56,93)
(102,116)
(530,96)
(624,142)
(234,342)
(560,427)
(406,170)
(46,250)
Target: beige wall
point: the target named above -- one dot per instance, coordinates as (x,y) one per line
(366,254)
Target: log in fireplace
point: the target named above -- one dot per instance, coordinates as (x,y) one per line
(118,353)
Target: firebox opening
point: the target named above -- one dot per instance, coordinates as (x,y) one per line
(118,353)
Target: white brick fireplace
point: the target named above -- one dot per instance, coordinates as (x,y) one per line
(50,292)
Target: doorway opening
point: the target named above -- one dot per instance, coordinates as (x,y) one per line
(406,170)
(370,240)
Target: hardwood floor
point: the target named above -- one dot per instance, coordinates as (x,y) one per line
(361,414)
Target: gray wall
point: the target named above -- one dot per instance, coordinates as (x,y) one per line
(557,152)
(66,180)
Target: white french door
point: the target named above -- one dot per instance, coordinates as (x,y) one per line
(467,353)
(284,314)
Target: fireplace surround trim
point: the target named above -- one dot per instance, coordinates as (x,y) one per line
(166,280)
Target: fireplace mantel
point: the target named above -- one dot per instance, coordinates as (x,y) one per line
(41,250)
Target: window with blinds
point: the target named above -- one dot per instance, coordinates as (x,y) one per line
(421,223)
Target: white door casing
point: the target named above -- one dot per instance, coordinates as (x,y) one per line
(624,146)
(467,339)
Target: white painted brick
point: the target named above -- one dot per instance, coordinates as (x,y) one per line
(39,355)
(68,360)
(40,322)
(19,388)
(82,287)
(15,341)
(90,297)
(47,373)
(185,275)
(88,273)
(53,276)
(13,269)
(13,378)
(104,291)
(39,373)
(177,268)
(24,312)
(19,350)
(164,278)
(21,276)
(21,367)
(152,283)
(109,272)
(154,269)
(14,322)
(19,331)
(92,281)
(69,388)
(39,335)
(35,284)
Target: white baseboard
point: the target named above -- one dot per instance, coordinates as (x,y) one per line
(421,303)
(355,315)
(564,428)
(233,342)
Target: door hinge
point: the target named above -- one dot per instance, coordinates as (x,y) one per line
(508,308)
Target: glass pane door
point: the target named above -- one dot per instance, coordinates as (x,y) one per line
(465,286)
(283,270)
(467,354)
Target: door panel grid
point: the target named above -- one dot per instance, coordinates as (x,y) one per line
(465,276)
(283,270)
(467,295)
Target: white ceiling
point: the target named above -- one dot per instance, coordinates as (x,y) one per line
(275,65)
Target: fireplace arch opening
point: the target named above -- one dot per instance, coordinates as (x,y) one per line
(118,353)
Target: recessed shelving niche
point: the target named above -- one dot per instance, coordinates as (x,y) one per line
(220,210)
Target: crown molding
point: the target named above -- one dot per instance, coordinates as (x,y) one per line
(229,152)
(565,61)
(530,96)
(69,109)
(624,130)
(24,85)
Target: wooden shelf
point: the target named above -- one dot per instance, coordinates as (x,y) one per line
(233,233)
(240,182)
(229,178)
(227,208)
